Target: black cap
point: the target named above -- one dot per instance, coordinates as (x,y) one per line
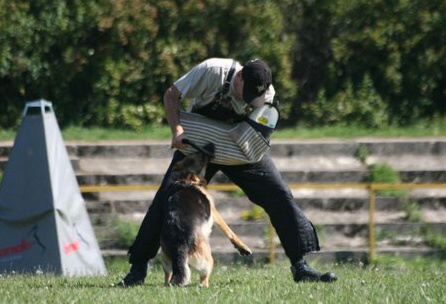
(257,78)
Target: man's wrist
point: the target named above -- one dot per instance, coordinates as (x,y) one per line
(177,130)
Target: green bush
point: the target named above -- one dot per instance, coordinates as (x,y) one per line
(351,106)
(412,211)
(126,232)
(236,193)
(367,62)
(129,116)
(256,213)
(435,239)
(384,173)
(362,153)
(103,63)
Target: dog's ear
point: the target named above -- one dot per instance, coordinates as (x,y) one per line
(210,147)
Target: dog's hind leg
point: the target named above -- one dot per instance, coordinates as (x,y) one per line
(238,244)
(166,262)
(180,268)
(207,270)
(203,261)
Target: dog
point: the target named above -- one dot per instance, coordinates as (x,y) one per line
(189,216)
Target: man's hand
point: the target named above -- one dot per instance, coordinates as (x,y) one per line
(177,142)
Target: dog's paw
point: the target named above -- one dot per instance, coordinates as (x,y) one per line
(243,250)
(241,247)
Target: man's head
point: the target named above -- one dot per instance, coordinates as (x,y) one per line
(257,78)
(193,166)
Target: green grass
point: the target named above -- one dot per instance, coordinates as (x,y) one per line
(390,281)
(157,132)
(348,132)
(102,134)
(78,133)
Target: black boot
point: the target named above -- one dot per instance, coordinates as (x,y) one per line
(135,277)
(302,272)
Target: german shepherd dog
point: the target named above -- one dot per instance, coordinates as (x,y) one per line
(189,216)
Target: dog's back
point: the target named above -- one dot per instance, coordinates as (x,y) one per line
(185,235)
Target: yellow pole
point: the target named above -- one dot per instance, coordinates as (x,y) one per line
(229,187)
(371,223)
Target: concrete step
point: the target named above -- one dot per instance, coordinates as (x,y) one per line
(74,163)
(330,164)
(234,215)
(232,208)
(279,147)
(340,237)
(294,176)
(417,160)
(287,149)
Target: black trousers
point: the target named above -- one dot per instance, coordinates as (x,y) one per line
(263,185)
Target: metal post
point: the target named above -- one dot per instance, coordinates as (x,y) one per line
(371,222)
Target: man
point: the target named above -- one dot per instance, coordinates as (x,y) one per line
(246,88)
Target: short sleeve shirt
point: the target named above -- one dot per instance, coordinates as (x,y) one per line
(205,80)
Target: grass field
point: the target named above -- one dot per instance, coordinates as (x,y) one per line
(426,129)
(388,281)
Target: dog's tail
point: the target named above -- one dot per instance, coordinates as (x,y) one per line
(180,268)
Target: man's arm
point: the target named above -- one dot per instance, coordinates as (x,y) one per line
(172,98)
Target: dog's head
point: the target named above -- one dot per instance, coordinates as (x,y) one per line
(193,166)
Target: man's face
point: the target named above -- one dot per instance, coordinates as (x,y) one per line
(238,86)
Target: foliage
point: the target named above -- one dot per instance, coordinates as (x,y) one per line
(349,107)
(235,193)
(107,63)
(399,45)
(384,173)
(435,239)
(362,153)
(255,213)
(412,211)
(126,232)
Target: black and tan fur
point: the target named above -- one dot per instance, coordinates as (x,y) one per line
(189,217)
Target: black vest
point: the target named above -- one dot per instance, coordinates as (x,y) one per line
(220,107)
